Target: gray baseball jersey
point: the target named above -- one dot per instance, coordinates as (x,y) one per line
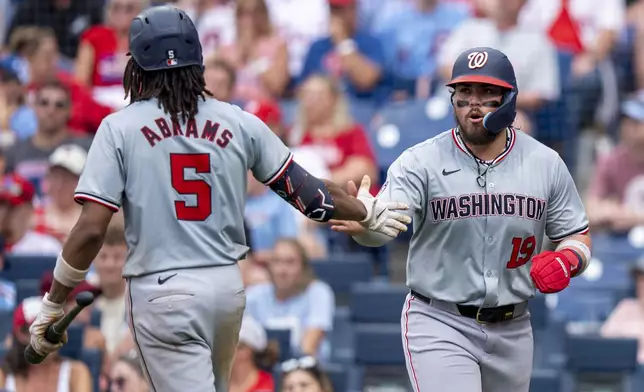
(472,242)
(182,186)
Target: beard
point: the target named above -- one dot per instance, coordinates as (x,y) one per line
(474,134)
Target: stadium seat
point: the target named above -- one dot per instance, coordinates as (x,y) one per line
(27,267)
(95,320)
(587,305)
(400,125)
(342,274)
(538,312)
(94,361)
(545,380)
(377,302)
(341,337)
(616,248)
(6,323)
(27,288)
(283,339)
(379,344)
(74,346)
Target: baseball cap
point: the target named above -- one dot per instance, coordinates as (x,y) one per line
(26,312)
(16,190)
(253,334)
(48,279)
(634,107)
(70,157)
(266,110)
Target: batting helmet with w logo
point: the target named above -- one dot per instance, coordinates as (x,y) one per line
(489,66)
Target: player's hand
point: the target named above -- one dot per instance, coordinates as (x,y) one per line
(382,217)
(551,271)
(49,313)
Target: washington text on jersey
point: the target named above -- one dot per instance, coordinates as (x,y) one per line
(487,204)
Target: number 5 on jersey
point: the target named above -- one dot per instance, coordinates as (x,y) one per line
(199,188)
(522,250)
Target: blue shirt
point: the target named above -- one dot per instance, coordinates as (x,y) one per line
(7,295)
(314,308)
(268,219)
(322,59)
(24,122)
(412,39)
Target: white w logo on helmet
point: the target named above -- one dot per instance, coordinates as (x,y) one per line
(477,59)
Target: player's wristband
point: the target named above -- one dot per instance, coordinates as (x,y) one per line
(66,274)
(580,250)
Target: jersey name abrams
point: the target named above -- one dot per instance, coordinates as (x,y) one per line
(486,204)
(209,131)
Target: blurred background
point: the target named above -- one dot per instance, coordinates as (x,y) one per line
(348,85)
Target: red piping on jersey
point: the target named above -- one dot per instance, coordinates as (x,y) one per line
(81,198)
(585,231)
(411,364)
(279,173)
(513,138)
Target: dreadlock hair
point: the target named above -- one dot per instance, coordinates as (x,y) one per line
(178,90)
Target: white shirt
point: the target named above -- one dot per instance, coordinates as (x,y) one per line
(34,243)
(592,16)
(216,27)
(533,56)
(299,22)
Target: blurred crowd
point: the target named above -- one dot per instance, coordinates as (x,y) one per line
(302,67)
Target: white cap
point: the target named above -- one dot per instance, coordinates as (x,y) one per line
(253,334)
(70,157)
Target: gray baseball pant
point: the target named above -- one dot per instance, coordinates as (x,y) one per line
(446,352)
(186,328)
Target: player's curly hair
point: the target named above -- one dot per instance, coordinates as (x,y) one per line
(178,90)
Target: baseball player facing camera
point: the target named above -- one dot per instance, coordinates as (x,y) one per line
(176,161)
(482,196)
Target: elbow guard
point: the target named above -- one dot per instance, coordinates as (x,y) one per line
(305,192)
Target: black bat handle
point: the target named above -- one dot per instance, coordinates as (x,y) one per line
(55,332)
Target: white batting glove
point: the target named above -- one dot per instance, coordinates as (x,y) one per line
(382,216)
(49,313)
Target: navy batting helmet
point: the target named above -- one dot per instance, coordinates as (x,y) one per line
(164,37)
(490,66)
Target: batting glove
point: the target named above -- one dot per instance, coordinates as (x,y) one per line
(49,313)
(381,216)
(551,271)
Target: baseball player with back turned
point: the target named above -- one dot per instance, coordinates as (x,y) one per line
(176,161)
(482,196)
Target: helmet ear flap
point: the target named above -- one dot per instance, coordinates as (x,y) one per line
(504,116)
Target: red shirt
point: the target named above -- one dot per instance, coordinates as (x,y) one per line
(264,383)
(620,178)
(108,63)
(336,150)
(87,114)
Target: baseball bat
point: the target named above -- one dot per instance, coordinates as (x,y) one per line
(56,331)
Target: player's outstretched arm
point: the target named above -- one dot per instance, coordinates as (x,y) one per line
(322,200)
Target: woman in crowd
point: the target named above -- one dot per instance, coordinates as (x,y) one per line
(259,54)
(304,375)
(54,374)
(102,51)
(254,359)
(17,120)
(294,300)
(325,125)
(127,374)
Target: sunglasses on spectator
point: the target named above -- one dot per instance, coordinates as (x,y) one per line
(304,363)
(57,104)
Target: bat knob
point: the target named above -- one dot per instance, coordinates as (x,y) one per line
(84,298)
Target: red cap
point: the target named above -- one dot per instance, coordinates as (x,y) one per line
(266,110)
(341,3)
(26,312)
(48,279)
(16,190)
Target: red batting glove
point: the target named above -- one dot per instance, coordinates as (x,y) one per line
(551,271)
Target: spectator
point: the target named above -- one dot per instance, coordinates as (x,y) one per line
(253,272)
(54,374)
(101,58)
(304,374)
(354,58)
(41,54)
(59,212)
(220,79)
(30,157)
(627,319)
(268,219)
(427,21)
(68,18)
(17,119)
(325,125)
(259,54)
(20,239)
(215,22)
(21,44)
(533,57)
(7,288)
(617,188)
(300,23)
(294,300)
(127,375)
(311,235)
(255,355)
(109,268)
